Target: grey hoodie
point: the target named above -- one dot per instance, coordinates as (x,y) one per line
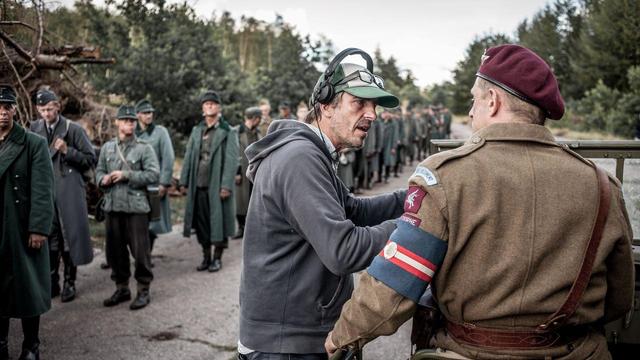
(304,237)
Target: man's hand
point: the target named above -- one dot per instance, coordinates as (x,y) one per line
(329,346)
(36,240)
(106,180)
(60,145)
(117,176)
(238,179)
(162,190)
(224,193)
(183,190)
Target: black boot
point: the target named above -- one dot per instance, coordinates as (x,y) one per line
(69,289)
(142,299)
(121,295)
(31,343)
(4,349)
(54,262)
(30,353)
(239,234)
(206,259)
(216,264)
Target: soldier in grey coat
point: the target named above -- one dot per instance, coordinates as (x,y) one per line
(158,137)
(72,156)
(126,167)
(248,133)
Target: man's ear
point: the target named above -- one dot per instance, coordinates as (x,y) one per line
(327,110)
(495,101)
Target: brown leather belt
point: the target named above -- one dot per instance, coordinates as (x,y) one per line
(502,338)
(515,338)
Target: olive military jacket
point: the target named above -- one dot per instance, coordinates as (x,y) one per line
(222,171)
(141,170)
(158,137)
(26,206)
(501,225)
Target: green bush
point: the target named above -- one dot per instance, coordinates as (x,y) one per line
(606,109)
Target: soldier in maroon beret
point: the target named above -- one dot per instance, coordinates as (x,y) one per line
(489,240)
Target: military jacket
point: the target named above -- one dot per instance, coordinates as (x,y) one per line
(140,171)
(499,227)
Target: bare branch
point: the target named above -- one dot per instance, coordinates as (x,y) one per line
(39,7)
(19,49)
(26,93)
(17,23)
(72,82)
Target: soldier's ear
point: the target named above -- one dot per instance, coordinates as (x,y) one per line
(494,101)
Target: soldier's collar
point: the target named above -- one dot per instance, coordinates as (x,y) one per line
(127,141)
(514,132)
(148,129)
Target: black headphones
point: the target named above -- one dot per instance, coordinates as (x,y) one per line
(324,91)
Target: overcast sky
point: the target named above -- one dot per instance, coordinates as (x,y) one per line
(426,36)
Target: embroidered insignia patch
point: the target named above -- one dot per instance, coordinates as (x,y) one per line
(411,220)
(425,174)
(484,57)
(413,202)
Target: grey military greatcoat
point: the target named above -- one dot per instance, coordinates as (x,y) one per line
(70,194)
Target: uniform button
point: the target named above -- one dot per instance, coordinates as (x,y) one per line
(17,201)
(70,170)
(476,139)
(17,176)
(390,250)
(15,188)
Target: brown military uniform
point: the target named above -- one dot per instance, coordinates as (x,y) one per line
(516,211)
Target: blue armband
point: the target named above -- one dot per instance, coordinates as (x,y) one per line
(409,260)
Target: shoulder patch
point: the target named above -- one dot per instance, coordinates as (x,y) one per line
(408,218)
(426,175)
(413,201)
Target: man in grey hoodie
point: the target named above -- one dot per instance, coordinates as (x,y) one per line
(305,233)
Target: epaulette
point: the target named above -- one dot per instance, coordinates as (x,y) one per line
(435,161)
(566,148)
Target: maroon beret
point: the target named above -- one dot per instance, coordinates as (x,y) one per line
(523,74)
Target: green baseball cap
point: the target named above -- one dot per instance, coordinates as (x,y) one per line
(360,82)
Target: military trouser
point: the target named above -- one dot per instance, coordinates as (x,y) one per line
(59,248)
(202,221)
(30,331)
(129,232)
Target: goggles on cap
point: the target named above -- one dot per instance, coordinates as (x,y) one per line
(363,76)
